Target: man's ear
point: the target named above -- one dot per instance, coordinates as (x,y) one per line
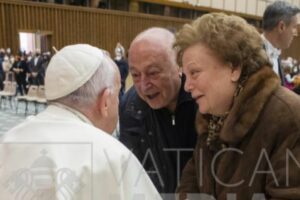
(236,74)
(103,102)
(281,26)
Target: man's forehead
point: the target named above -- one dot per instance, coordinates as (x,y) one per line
(144,65)
(147,46)
(147,53)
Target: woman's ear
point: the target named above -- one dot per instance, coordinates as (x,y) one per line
(180,71)
(103,102)
(236,74)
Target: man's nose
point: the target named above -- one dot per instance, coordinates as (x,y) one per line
(145,83)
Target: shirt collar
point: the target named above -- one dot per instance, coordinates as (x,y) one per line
(78,114)
(270,49)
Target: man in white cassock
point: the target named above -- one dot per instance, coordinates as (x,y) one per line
(67,151)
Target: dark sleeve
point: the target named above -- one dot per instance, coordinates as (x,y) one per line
(29,66)
(14,65)
(1,68)
(123,67)
(25,67)
(130,128)
(41,69)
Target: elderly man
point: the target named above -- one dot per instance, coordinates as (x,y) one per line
(157,115)
(279,29)
(67,152)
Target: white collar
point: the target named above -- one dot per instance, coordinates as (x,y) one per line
(78,114)
(270,49)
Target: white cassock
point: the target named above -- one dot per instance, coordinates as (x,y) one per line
(58,154)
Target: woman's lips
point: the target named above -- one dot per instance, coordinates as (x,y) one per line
(197,97)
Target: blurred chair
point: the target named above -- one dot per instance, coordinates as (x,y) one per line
(30,97)
(41,98)
(7,94)
(36,95)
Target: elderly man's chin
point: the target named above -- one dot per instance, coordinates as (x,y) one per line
(156,106)
(156,103)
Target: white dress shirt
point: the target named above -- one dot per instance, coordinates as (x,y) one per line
(273,54)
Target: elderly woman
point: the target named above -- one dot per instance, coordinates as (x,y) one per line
(249,126)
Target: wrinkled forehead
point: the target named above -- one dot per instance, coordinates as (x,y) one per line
(148,61)
(147,45)
(144,52)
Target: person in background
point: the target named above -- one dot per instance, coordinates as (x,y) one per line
(120,60)
(20,70)
(248,124)
(66,151)
(288,80)
(9,54)
(36,70)
(2,53)
(297,84)
(156,114)
(46,60)
(279,28)
(295,68)
(2,74)
(7,65)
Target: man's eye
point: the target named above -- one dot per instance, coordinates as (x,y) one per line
(153,73)
(134,75)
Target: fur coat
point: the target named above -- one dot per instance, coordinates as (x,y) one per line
(260,157)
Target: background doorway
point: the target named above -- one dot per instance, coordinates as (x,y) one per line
(30,41)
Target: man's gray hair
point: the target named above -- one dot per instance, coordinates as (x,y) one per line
(162,36)
(276,12)
(86,95)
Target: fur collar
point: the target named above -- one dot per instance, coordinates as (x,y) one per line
(246,108)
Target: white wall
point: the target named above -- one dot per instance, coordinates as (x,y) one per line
(217,4)
(252,7)
(261,6)
(206,3)
(241,6)
(230,5)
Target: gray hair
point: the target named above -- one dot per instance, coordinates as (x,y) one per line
(86,95)
(276,12)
